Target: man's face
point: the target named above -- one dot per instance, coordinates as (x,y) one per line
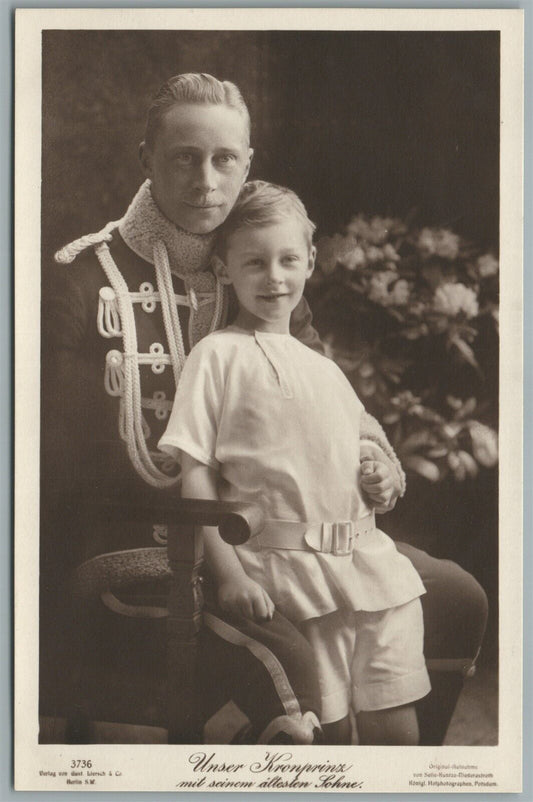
(198,164)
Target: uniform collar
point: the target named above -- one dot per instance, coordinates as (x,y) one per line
(144,224)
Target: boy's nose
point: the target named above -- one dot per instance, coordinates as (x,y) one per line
(275,273)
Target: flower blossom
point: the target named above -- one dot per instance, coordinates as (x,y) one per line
(452,299)
(399,295)
(484,444)
(339,250)
(353,258)
(374,254)
(379,287)
(438,242)
(487,265)
(375,231)
(390,253)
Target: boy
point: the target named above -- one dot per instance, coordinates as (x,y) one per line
(258,416)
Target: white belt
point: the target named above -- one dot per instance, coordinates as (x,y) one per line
(338,538)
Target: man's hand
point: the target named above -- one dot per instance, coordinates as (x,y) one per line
(245,597)
(379,484)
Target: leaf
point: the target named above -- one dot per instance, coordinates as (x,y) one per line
(467,408)
(465,351)
(391,417)
(439,451)
(469,463)
(414,441)
(423,467)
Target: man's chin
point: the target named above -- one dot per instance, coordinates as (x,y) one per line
(203,221)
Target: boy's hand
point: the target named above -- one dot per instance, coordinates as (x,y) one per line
(247,598)
(379,484)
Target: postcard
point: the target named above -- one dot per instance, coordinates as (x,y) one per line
(302,572)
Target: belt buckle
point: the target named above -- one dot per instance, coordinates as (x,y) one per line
(342,539)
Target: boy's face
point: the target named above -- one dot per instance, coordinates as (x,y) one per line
(268,267)
(198,164)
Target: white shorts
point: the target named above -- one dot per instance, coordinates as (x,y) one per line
(369,660)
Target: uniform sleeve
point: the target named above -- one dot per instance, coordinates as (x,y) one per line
(194,420)
(301,327)
(66,393)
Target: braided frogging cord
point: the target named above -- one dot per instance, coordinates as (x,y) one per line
(169,309)
(133,430)
(216,320)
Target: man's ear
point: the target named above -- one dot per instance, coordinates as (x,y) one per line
(311,260)
(145,158)
(249,164)
(219,269)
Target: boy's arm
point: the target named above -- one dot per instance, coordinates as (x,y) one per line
(237,593)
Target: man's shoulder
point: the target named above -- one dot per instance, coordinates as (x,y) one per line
(84,272)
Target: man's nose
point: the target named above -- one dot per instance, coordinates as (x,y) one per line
(205,177)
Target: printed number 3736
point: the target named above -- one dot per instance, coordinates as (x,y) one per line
(81,764)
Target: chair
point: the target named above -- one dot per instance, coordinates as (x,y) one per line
(150,597)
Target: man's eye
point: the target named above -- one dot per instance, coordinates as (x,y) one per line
(225,159)
(184,158)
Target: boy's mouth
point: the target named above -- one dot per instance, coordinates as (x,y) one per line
(272,296)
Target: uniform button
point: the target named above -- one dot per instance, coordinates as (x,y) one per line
(107,294)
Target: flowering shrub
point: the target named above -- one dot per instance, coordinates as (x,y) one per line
(411,316)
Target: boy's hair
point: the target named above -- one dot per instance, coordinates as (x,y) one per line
(193,87)
(261,204)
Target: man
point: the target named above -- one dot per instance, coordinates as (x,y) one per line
(119,320)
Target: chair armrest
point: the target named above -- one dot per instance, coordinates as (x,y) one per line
(117,569)
(236,521)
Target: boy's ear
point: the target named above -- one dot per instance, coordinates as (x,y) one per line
(145,158)
(219,269)
(311,261)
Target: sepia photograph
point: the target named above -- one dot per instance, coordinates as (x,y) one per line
(268,505)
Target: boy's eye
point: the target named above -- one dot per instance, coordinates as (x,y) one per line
(291,258)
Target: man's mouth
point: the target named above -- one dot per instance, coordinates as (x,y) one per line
(202,205)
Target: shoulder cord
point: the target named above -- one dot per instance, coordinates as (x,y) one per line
(67,254)
(135,441)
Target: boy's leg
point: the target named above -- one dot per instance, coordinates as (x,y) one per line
(395,726)
(332,638)
(263,675)
(389,674)
(455,616)
(338,733)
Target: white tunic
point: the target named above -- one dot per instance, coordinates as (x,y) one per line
(280,423)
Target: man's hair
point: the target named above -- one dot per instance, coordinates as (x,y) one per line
(193,87)
(261,204)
